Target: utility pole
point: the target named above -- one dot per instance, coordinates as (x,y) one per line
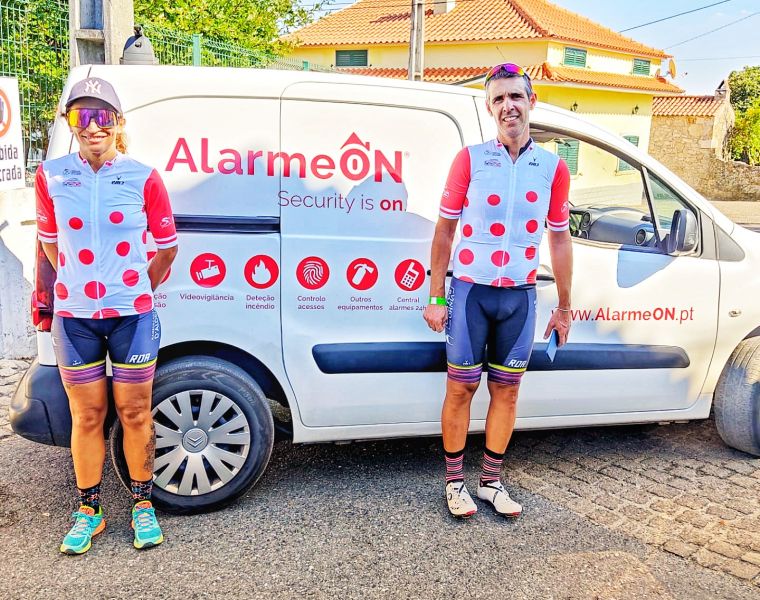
(417,41)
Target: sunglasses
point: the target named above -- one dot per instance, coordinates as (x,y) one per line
(509,68)
(81,117)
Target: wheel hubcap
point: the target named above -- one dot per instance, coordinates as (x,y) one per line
(202,441)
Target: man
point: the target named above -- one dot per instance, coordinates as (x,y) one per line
(503,191)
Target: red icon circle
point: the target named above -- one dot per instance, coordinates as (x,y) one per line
(362,274)
(261,271)
(207,270)
(312,272)
(410,274)
(5,124)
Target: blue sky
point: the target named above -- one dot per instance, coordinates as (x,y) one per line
(702,63)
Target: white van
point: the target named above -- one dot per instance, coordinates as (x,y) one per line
(305,205)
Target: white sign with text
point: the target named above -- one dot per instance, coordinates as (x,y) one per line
(11,141)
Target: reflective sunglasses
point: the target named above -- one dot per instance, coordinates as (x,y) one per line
(510,68)
(81,117)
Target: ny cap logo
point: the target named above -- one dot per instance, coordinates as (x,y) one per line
(92,87)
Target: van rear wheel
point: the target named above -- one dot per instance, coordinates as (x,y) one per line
(737,398)
(214,435)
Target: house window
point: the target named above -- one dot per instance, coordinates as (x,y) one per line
(575,57)
(622,165)
(568,150)
(641,66)
(351,58)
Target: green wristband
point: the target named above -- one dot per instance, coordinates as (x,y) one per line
(437,300)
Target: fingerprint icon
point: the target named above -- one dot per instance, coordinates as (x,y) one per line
(312,272)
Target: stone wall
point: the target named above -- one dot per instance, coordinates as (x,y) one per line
(694,149)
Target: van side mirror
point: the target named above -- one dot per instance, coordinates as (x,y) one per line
(682,238)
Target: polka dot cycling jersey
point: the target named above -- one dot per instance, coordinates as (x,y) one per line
(100,221)
(502,205)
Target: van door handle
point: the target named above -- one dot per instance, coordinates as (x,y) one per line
(544,277)
(448,273)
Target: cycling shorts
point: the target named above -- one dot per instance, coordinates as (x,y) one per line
(131,342)
(501,320)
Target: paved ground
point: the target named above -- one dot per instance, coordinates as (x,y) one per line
(624,512)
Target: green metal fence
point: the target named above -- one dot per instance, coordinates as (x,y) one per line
(34,47)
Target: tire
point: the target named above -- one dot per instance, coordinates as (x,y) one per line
(737,398)
(194,401)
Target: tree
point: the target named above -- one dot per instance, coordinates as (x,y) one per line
(745,137)
(745,88)
(257,24)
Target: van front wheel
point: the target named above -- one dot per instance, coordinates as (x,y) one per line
(737,398)
(214,435)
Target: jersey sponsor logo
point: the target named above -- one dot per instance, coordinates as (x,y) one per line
(534,163)
(492,153)
(42,218)
(72,182)
(69,172)
(118,181)
(357,161)
(492,163)
(166,222)
(517,364)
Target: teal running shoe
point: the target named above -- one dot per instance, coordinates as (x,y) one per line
(87,525)
(147,531)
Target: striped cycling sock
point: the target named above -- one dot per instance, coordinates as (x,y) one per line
(491,470)
(454,466)
(141,490)
(90,496)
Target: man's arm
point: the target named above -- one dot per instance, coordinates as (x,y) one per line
(561,251)
(51,251)
(440,254)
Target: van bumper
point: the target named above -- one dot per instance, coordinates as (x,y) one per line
(39,408)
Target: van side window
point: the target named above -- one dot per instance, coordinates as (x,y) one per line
(667,204)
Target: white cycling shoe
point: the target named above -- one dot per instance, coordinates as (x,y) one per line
(494,492)
(460,502)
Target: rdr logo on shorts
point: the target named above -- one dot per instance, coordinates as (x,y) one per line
(410,275)
(261,271)
(208,270)
(5,114)
(362,274)
(312,272)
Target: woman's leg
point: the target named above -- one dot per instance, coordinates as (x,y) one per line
(133,407)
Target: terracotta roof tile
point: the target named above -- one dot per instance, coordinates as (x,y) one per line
(685,106)
(370,22)
(538,73)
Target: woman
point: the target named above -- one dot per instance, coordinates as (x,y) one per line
(94,208)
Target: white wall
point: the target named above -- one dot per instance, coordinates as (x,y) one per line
(17,245)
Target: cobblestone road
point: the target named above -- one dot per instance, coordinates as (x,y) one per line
(676,488)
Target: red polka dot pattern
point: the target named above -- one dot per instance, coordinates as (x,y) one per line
(500,258)
(94,289)
(64,313)
(503,282)
(130,277)
(145,237)
(466,257)
(116,217)
(531,276)
(532,226)
(493,199)
(531,196)
(61,259)
(106,313)
(498,229)
(86,256)
(467,202)
(466,279)
(530,252)
(122,248)
(76,223)
(467,230)
(61,291)
(143,303)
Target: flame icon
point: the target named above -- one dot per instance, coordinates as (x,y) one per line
(313,272)
(261,274)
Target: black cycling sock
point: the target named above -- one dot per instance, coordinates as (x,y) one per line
(141,490)
(454,466)
(491,467)
(90,496)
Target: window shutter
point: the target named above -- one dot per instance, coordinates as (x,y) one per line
(641,66)
(575,57)
(568,151)
(351,58)
(622,165)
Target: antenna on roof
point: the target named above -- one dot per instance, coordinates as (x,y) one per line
(672,68)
